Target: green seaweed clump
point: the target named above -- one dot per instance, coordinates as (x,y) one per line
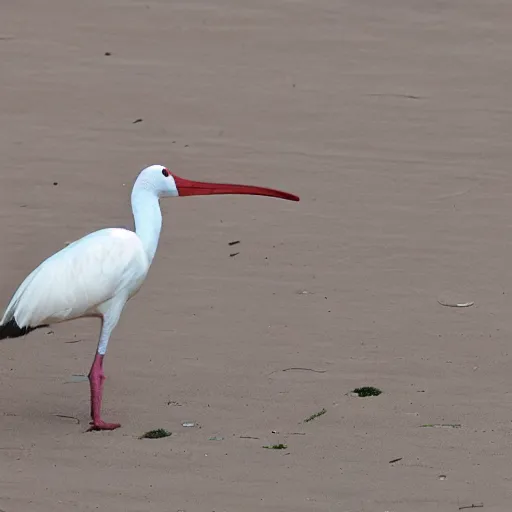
(279,446)
(367,391)
(155,434)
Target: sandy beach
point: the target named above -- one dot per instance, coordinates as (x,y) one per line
(391,121)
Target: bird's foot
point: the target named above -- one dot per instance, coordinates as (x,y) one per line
(101,425)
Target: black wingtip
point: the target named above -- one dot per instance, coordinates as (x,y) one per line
(12,330)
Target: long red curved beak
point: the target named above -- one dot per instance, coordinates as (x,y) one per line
(197,188)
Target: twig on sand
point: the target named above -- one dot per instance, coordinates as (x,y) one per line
(68,417)
(391,95)
(479,505)
(304,370)
(248,437)
(441,425)
(316,415)
(298,369)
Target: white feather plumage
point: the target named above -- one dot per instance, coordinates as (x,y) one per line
(79,279)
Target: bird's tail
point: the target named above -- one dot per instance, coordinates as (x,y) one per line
(12,330)
(9,327)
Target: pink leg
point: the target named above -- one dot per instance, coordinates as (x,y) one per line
(96,380)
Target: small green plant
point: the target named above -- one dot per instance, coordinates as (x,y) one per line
(155,434)
(279,446)
(316,415)
(367,391)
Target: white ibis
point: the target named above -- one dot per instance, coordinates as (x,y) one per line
(96,275)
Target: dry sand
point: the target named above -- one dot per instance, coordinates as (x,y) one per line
(392,121)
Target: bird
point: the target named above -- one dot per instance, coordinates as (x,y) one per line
(95,276)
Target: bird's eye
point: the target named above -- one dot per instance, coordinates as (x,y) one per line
(165,172)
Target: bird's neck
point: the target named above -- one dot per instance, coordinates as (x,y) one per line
(148,219)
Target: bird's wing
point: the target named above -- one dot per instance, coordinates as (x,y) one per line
(79,277)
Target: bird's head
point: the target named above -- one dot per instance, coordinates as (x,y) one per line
(165,183)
